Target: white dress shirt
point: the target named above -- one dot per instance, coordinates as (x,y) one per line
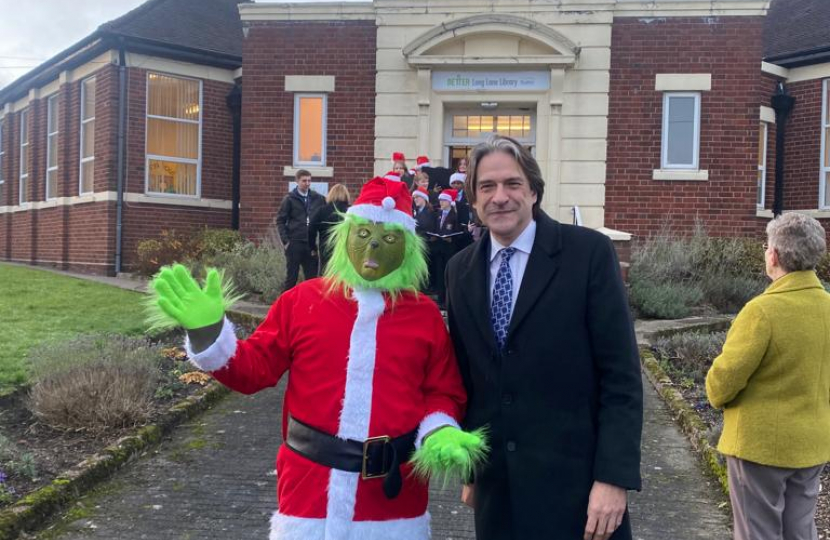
(518,262)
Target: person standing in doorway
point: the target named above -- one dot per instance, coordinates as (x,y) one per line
(293,222)
(540,322)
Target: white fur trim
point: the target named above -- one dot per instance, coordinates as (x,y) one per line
(217,355)
(458,177)
(296,528)
(357,409)
(420,194)
(445,197)
(378,214)
(431,422)
(392,176)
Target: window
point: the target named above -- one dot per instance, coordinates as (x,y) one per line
(52,147)
(824,188)
(310,130)
(24,157)
(681,131)
(174,125)
(762,164)
(87,135)
(2,155)
(478,127)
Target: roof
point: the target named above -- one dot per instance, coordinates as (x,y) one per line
(797,32)
(198,31)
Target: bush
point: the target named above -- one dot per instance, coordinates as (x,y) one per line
(171,247)
(94,382)
(255,269)
(664,300)
(728,293)
(691,353)
(211,242)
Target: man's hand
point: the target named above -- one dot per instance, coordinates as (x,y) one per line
(313,252)
(468,495)
(606,507)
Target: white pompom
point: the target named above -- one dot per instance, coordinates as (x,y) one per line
(388,203)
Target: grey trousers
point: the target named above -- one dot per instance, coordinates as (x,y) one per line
(771,503)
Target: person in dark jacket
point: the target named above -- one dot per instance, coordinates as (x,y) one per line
(462,209)
(443,245)
(424,225)
(324,219)
(538,314)
(293,221)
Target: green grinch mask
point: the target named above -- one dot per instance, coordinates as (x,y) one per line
(374,250)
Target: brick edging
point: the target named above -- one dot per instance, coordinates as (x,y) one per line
(686,417)
(32,511)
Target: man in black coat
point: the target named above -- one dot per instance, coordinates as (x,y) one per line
(540,322)
(293,220)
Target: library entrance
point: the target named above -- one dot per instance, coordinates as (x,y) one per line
(467,127)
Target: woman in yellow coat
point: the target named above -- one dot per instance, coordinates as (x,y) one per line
(772,381)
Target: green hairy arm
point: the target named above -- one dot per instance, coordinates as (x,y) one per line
(450,453)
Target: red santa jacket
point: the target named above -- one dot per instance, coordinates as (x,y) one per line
(360,367)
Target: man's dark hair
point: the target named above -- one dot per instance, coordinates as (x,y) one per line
(527,163)
(300,173)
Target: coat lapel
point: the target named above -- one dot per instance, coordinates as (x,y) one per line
(477,276)
(541,267)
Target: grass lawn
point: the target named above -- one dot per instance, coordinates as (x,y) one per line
(37,305)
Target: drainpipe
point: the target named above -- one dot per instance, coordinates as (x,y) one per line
(122,122)
(783,105)
(234,101)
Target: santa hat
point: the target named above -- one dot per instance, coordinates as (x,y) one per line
(448,195)
(458,177)
(421,161)
(393,175)
(384,201)
(421,192)
(398,156)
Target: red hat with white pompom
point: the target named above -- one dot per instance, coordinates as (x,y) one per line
(393,175)
(421,192)
(421,161)
(384,201)
(448,195)
(398,156)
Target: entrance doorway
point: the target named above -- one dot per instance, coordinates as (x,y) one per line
(465,128)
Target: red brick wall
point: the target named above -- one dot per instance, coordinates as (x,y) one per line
(802,160)
(345,50)
(730,49)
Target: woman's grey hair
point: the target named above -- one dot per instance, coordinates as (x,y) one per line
(511,147)
(799,241)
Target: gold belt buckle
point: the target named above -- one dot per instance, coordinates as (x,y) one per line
(366,444)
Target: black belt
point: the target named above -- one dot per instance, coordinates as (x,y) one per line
(377,457)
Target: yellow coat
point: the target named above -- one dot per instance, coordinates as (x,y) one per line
(773,377)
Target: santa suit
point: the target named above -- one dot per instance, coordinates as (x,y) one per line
(360,367)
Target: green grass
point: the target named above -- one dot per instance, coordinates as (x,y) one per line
(37,306)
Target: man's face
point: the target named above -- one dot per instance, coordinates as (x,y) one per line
(504,200)
(304,182)
(375,251)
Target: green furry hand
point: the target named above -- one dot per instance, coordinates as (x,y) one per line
(182,302)
(450,453)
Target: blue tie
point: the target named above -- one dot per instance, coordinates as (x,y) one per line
(502,298)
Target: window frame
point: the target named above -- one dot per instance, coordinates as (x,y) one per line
(664,143)
(324,139)
(2,159)
(24,123)
(762,166)
(53,99)
(148,156)
(824,168)
(82,125)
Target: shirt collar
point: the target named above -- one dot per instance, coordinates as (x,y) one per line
(523,243)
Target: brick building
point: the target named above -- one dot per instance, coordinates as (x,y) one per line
(640,113)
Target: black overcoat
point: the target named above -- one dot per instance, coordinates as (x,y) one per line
(563,402)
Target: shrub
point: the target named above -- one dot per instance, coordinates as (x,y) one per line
(729,293)
(94,382)
(664,300)
(255,269)
(171,247)
(210,242)
(691,352)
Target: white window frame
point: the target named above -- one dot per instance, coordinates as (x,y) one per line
(51,131)
(823,169)
(762,166)
(664,150)
(24,123)
(324,156)
(148,156)
(81,146)
(2,159)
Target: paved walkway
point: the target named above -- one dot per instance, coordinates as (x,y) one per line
(214,479)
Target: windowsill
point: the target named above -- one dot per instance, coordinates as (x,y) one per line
(319,172)
(763,213)
(680,175)
(181,200)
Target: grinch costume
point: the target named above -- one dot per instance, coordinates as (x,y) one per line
(373,378)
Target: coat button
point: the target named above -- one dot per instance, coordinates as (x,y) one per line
(507,398)
(511,446)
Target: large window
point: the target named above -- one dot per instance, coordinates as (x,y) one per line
(824,188)
(762,164)
(24,157)
(174,125)
(87,135)
(681,131)
(310,130)
(52,147)
(2,162)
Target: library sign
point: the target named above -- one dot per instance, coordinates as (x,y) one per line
(494,81)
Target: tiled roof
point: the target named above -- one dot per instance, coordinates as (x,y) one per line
(796,28)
